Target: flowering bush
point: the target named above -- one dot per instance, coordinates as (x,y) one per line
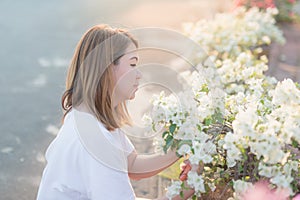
(242,145)
(237,124)
(230,34)
(285,7)
(263,4)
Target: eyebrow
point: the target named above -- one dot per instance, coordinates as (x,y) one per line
(134,58)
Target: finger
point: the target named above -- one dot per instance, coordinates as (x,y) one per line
(187,161)
(183,177)
(183,174)
(182,166)
(187,168)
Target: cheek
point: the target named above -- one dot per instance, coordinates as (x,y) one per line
(125,79)
(125,75)
(125,84)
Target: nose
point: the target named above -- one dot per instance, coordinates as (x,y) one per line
(139,74)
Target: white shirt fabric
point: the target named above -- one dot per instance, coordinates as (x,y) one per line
(72,173)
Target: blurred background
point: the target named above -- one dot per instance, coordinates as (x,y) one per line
(37,42)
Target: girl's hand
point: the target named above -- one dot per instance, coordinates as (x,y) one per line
(185,168)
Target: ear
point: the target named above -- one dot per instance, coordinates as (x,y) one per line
(114,67)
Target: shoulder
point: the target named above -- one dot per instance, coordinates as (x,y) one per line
(66,144)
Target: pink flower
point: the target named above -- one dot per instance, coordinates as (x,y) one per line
(261,191)
(291,14)
(270,4)
(297,197)
(255,3)
(239,3)
(292,1)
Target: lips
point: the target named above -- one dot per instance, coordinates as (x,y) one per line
(136,89)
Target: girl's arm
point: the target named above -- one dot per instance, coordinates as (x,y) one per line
(144,166)
(138,164)
(186,194)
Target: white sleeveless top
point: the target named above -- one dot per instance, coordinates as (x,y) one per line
(73,173)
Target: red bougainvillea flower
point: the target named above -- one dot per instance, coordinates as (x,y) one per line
(255,3)
(292,1)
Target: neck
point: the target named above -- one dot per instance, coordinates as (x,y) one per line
(83,108)
(116,102)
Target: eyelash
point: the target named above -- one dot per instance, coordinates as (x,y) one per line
(132,65)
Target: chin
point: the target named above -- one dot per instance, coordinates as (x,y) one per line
(132,97)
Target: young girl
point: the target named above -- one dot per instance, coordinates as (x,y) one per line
(91,158)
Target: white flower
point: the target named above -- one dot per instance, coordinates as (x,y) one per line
(260,148)
(231,79)
(286,92)
(266,39)
(202,136)
(196,181)
(282,181)
(288,167)
(255,85)
(233,155)
(268,171)
(174,189)
(277,156)
(184,149)
(147,120)
(230,161)
(210,148)
(186,132)
(202,152)
(212,186)
(158,143)
(241,186)
(295,165)
(273,11)
(245,121)
(229,140)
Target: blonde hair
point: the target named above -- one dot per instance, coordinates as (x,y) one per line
(90,77)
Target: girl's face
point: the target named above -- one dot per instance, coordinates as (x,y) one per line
(127,76)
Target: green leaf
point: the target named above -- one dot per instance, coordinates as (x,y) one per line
(241,168)
(199,127)
(153,127)
(294,143)
(181,194)
(182,142)
(165,134)
(182,185)
(204,88)
(207,121)
(262,101)
(218,116)
(172,128)
(194,197)
(169,142)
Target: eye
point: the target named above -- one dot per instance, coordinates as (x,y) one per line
(132,65)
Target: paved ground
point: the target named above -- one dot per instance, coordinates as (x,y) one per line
(38,39)
(285,60)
